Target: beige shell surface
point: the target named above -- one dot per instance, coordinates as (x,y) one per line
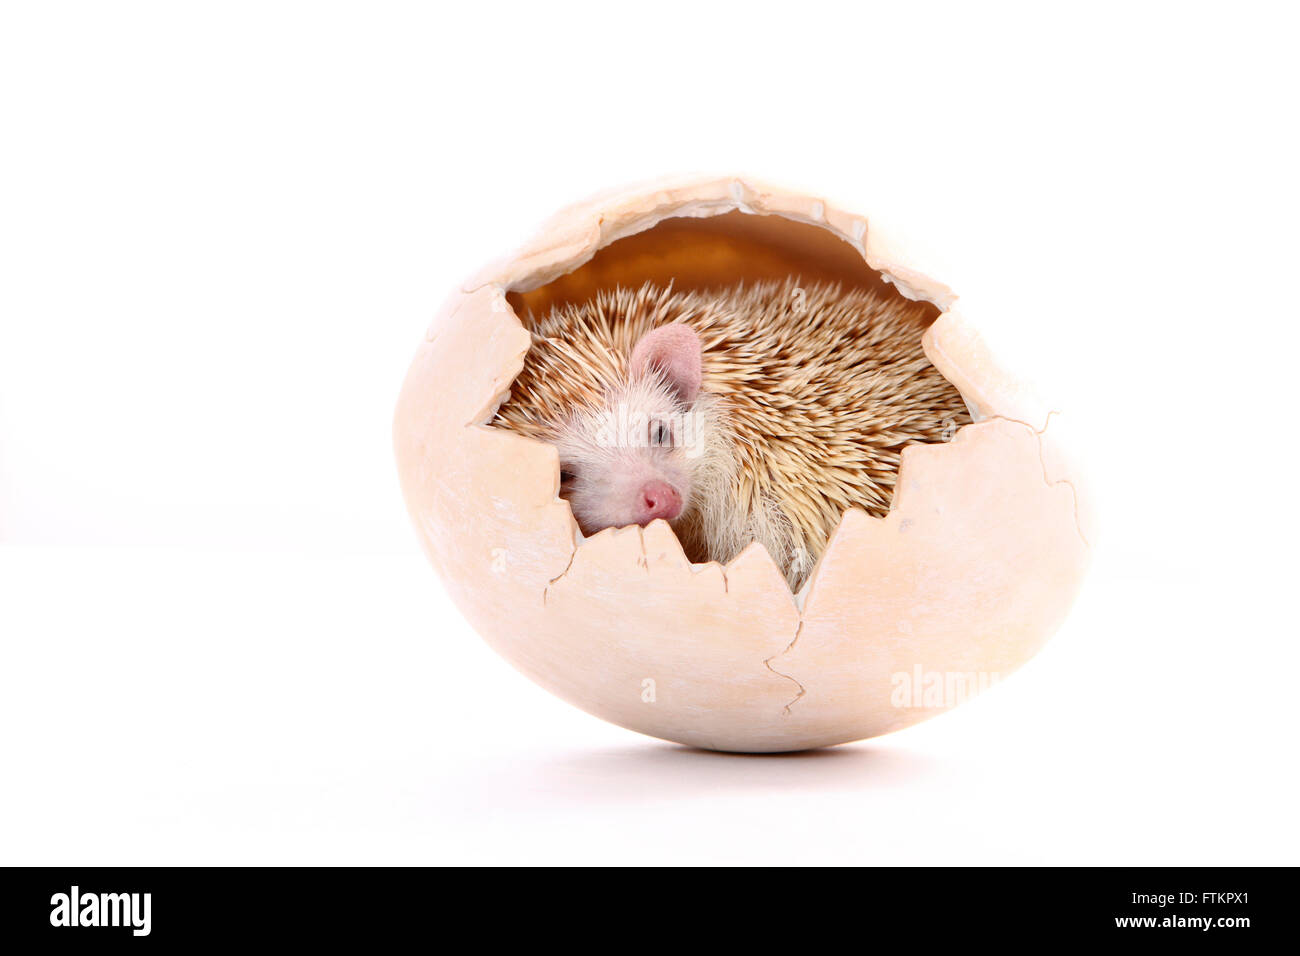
(971,571)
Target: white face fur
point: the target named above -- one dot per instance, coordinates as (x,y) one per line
(633,459)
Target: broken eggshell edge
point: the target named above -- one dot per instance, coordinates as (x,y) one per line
(972,570)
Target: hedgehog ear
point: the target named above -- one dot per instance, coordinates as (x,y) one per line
(675,351)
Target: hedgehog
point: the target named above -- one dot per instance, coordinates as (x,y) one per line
(756,412)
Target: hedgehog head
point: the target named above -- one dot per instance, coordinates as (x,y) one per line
(635,457)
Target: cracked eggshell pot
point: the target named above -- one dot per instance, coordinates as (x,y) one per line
(971,571)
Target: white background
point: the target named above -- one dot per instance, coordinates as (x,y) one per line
(225,227)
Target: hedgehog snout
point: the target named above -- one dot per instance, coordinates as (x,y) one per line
(658,499)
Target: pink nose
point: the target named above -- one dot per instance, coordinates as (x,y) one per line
(659,500)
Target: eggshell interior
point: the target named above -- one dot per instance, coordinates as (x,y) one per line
(971,571)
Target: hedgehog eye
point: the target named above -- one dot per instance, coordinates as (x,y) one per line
(660,433)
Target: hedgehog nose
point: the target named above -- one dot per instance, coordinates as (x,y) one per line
(659,500)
